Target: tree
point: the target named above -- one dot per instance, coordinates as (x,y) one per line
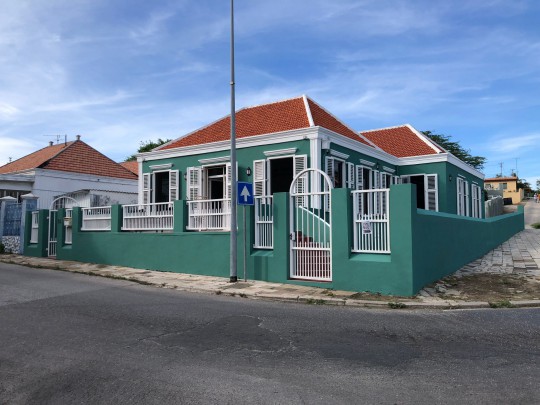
(456,149)
(147,146)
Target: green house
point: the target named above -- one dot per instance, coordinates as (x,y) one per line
(384,210)
(278,140)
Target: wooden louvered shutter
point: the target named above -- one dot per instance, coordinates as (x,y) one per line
(431,192)
(194,183)
(259,177)
(300,164)
(147,188)
(349,183)
(173,185)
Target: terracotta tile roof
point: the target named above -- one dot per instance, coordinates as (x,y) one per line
(132,166)
(497,179)
(34,160)
(323,118)
(75,157)
(402,141)
(266,119)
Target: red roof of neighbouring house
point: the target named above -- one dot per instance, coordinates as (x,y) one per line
(132,166)
(402,141)
(75,157)
(269,118)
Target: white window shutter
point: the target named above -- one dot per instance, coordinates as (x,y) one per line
(431,192)
(466,185)
(228,179)
(329,168)
(359,177)
(173,185)
(376,179)
(147,188)
(300,164)
(259,177)
(350,176)
(194,183)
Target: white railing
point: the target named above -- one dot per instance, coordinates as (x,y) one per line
(34,232)
(264,223)
(209,215)
(68,229)
(371,221)
(148,217)
(96,219)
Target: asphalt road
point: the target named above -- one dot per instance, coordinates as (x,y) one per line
(68,338)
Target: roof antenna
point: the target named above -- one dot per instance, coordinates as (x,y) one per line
(57,136)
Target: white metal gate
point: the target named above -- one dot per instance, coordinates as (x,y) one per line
(60,202)
(310,226)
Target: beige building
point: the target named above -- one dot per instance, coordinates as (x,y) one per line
(508,185)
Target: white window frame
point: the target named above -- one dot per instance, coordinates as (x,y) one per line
(427,189)
(330,162)
(477,194)
(149,181)
(462,196)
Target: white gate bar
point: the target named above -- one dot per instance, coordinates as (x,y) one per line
(371,221)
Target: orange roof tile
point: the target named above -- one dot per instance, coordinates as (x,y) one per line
(34,159)
(132,166)
(75,157)
(401,141)
(323,118)
(266,119)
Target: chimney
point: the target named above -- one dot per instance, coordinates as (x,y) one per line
(78,137)
(51,143)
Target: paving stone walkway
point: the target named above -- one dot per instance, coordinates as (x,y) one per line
(518,255)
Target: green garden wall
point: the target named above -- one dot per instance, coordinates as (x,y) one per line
(425,245)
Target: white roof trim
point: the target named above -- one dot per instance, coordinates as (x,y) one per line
(441,157)
(308,111)
(423,138)
(388,169)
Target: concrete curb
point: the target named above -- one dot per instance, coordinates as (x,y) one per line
(221,286)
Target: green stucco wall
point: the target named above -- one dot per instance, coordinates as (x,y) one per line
(425,245)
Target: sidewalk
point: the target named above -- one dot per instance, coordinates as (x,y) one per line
(507,276)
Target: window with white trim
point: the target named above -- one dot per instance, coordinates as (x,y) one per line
(462,197)
(477,200)
(427,190)
(160,186)
(211,182)
(275,174)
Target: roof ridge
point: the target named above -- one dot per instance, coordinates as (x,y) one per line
(164,146)
(308,110)
(344,124)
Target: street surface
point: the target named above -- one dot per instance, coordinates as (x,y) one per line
(69,338)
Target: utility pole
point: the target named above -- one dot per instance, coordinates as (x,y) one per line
(501,164)
(234,233)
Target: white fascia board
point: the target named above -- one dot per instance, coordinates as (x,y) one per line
(359,147)
(441,157)
(423,138)
(249,142)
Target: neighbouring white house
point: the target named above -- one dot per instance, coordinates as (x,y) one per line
(70,167)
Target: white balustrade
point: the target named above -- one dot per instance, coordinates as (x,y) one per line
(148,217)
(96,219)
(264,223)
(371,222)
(209,215)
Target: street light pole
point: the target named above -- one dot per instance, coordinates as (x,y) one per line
(234,233)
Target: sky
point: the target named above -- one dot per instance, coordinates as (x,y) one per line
(125,71)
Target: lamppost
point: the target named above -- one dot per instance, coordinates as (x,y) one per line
(234,233)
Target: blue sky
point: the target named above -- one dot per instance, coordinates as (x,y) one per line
(124,71)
